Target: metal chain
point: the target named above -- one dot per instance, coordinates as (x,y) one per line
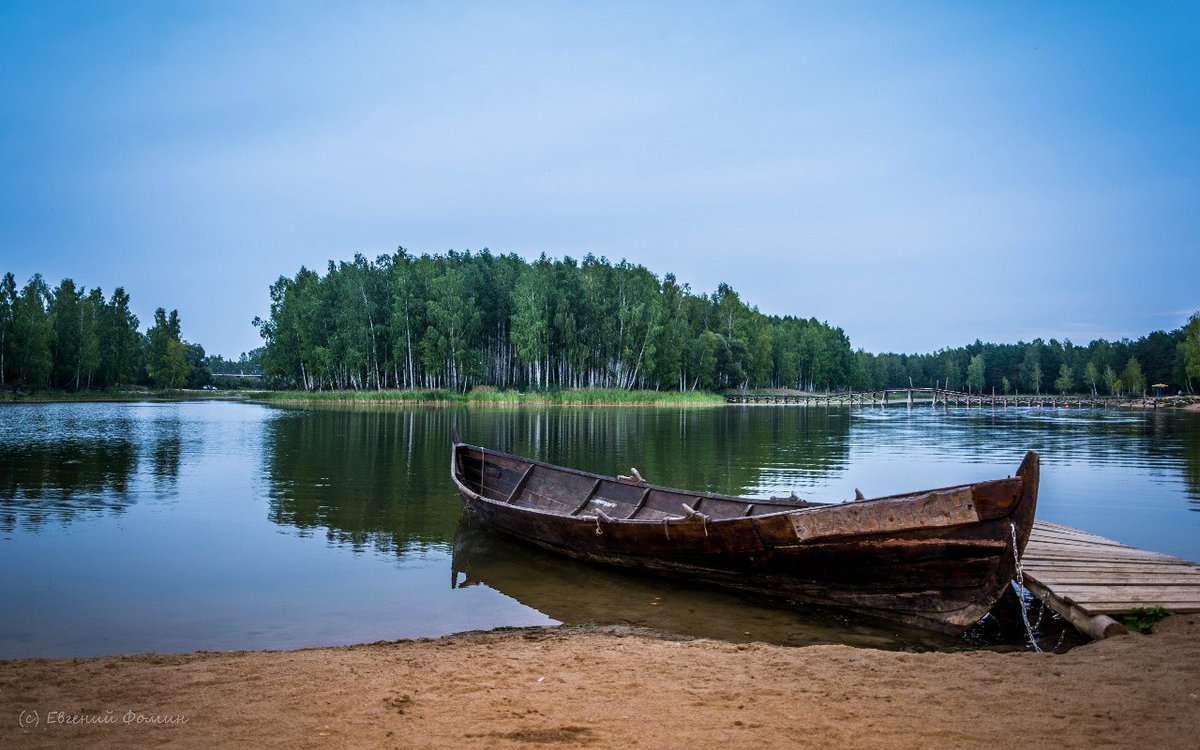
(1020,581)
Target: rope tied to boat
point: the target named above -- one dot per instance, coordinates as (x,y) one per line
(635,476)
(693,513)
(602,515)
(1020,581)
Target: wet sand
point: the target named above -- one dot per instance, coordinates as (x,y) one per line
(615,688)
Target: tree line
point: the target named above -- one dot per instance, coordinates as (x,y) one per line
(462,320)
(1126,367)
(73,338)
(466,319)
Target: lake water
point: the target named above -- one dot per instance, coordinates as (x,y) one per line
(133,527)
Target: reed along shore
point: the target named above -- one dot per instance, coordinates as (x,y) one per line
(491,398)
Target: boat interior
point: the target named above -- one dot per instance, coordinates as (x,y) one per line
(504,478)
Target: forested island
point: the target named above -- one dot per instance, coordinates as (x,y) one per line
(461,321)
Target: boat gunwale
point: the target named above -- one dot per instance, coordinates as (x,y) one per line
(814,506)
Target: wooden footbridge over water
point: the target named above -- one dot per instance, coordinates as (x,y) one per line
(1089,580)
(944,397)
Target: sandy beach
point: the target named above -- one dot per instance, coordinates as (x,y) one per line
(613,688)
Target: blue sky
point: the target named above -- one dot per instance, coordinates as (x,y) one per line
(919,174)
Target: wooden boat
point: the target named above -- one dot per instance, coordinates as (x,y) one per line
(936,559)
(576,592)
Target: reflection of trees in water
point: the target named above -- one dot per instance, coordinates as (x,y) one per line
(165,455)
(54,482)
(85,459)
(369,478)
(381,478)
(726,450)
(1191,462)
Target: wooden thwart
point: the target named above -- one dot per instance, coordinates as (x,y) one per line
(1087,578)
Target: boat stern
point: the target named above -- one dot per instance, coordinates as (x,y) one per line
(1026,505)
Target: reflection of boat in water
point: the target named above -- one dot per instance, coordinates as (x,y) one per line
(936,559)
(576,593)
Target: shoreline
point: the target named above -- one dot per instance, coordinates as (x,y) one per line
(103,397)
(581,398)
(615,687)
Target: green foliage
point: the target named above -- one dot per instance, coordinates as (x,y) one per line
(68,339)
(1133,378)
(492,397)
(405,396)
(1111,382)
(68,321)
(173,370)
(976,374)
(72,338)
(1065,380)
(8,313)
(121,354)
(1026,366)
(454,324)
(461,320)
(1189,347)
(33,335)
(1091,376)
(1143,619)
(167,357)
(1031,369)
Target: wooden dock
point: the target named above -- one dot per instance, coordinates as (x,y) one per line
(941,397)
(1089,579)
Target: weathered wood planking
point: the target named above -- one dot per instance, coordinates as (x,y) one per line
(1087,578)
(935,559)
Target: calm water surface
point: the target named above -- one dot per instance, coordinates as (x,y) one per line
(219,525)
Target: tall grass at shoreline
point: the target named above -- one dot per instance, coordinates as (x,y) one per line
(484,397)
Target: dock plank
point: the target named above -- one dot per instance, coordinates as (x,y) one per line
(1088,578)
(1085,578)
(1067,569)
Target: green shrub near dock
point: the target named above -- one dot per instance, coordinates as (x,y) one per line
(1143,619)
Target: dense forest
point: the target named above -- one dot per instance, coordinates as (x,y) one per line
(466,320)
(462,320)
(72,338)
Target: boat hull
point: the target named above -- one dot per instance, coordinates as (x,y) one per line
(937,559)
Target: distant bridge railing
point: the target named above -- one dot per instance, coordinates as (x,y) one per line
(944,397)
